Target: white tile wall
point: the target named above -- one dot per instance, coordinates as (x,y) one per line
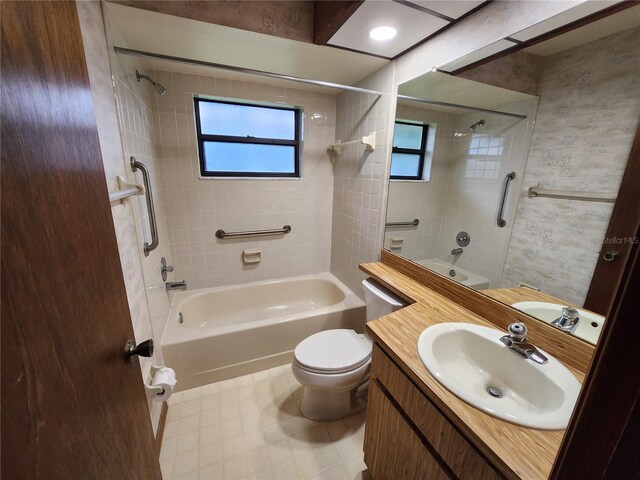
(196,207)
(361,178)
(124,129)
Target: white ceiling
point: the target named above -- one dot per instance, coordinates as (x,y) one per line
(412,24)
(181,37)
(604,27)
(446,88)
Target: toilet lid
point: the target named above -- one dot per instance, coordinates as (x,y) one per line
(333,351)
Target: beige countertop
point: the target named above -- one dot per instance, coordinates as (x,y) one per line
(517,452)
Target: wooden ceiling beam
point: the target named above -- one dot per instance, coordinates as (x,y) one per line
(329,16)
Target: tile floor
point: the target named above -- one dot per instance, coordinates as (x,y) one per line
(250,427)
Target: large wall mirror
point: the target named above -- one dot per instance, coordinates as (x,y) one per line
(504,177)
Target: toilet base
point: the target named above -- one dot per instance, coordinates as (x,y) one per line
(331,405)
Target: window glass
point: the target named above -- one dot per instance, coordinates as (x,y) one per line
(405,165)
(407,136)
(247,157)
(239,139)
(246,121)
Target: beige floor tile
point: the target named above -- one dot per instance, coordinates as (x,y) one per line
(212,472)
(251,427)
(357,469)
(279,452)
(170,429)
(188,441)
(186,463)
(335,473)
(174,412)
(210,401)
(258,459)
(236,467)
(284,471)
(190,407)
(166,467)
(189,424)
(210,417)
(191,394)
(168,448)
(254,439)
(227,412)
(210,434)
(233,446)
(210,454)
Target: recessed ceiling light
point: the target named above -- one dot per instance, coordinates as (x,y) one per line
(382,34)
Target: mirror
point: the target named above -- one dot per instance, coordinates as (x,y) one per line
(504,177)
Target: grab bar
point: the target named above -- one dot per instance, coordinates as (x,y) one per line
(148,247)
(414,223)
(221,234)
(510,176)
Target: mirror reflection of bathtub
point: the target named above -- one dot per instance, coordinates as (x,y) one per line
(453,272)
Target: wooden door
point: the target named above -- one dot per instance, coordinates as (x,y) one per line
(71,407)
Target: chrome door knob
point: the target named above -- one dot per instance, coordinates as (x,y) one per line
(610,256)
(145,349)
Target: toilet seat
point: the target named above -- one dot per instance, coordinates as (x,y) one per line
(333,352)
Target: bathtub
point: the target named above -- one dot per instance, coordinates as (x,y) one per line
(460,275)
(240,329)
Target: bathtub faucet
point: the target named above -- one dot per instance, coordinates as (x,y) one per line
(171,286)
(456,251)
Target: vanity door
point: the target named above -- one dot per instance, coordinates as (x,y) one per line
(392,449)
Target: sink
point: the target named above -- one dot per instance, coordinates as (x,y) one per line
(471,362)
(589,326)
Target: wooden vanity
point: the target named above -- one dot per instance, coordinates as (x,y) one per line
(415,427)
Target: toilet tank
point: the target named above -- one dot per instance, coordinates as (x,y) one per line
(379,300)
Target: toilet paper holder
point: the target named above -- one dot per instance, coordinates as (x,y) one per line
(159,391)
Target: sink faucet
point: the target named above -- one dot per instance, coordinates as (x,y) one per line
(517,341)
(456,251)
(568,321)
(171,286)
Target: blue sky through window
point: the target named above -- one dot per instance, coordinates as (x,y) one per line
(248,157)
(246,121)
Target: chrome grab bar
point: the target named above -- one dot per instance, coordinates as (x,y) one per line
(148,247)
(221,234)
(510,176)
(414,223)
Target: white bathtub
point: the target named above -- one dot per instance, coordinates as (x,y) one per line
(235,330)
(460,275)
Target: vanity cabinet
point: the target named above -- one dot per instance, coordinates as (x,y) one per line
(407,437)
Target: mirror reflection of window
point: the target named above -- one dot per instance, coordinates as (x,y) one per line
(409,159)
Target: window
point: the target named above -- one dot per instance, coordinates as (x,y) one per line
(238,139)
(408,154)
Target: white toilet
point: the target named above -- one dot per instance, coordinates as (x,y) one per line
(333,365)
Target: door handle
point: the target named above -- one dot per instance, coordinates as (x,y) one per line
(610,256)
(145,349)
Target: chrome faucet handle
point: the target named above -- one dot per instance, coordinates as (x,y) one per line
(518,331)
(570,313)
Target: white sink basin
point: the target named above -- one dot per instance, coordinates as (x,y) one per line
(589,326)
(468,359)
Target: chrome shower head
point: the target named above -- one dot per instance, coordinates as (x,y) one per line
(479,123)
(159,88)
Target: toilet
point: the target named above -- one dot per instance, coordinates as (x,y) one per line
(333,365)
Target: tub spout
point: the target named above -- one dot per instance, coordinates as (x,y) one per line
(171,286)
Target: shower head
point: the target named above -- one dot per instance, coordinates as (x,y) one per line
(159,88)
(479,123)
